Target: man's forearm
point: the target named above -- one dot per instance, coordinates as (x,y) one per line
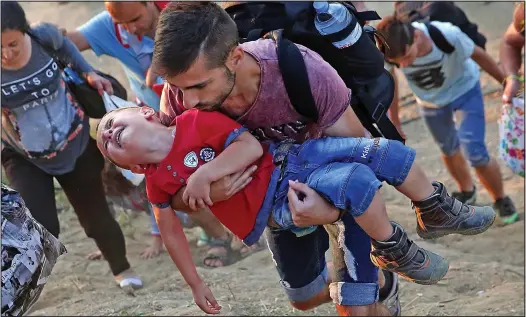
(177,202)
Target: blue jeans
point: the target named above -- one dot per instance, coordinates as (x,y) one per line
(468,133)
(347,172)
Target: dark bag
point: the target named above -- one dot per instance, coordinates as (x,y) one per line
(88,97)
(442,11)
(361,66)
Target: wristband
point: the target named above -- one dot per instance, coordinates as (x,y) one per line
(514,76)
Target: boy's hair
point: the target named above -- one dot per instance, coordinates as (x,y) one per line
(13,17)
(398,35)
(97,133)
(188,29)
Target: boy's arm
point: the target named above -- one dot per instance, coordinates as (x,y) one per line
(488,64)
(177,246)
(242,149)
(394,115)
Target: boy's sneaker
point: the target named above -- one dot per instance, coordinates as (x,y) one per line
(441,214)
(401,255)
(468,198)
(507,212)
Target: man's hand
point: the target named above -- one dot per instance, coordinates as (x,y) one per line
(308,208)
(197,192)
(230,185)
(100,83)
(204,298)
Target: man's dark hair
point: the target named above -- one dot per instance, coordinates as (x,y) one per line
(187,29)
(13,17)
(398,35)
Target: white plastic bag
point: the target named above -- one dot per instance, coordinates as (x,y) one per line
(112,103)
(511,132)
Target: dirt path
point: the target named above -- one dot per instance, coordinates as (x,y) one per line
(486,275)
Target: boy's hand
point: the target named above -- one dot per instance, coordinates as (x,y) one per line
(204,298)
(151,78)
(197,191)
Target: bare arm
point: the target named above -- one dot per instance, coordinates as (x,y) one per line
(176,244)
(393,109)
(488,64)
(510,51)
(79,40)
(243,151)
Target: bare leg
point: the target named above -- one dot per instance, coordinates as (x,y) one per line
(206,220)
(154,249)
(491,179)
(459,169)
(374,220)
(416,186)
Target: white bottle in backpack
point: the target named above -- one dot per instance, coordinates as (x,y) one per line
(331,18)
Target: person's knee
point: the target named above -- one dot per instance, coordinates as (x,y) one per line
(477,154)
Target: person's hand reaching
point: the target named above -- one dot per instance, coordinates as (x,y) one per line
(204,298)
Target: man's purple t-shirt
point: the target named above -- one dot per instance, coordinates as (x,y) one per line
(272,116)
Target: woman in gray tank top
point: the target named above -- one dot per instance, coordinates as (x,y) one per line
(45,135)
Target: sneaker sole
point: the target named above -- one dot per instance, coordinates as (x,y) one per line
(426,235)
(444,269)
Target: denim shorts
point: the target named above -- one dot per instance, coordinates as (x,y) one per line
(347,172)
(469,130)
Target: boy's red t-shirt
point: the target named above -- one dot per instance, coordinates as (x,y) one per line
(199,138)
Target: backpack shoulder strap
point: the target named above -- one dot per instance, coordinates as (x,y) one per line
(439,39)
(295,76)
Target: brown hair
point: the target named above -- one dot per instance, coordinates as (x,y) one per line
(188,29)
(397,34)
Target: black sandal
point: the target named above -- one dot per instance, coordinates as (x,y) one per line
(224,257)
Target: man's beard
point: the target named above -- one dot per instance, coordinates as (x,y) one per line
(217,104)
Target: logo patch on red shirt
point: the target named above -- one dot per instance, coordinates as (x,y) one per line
(190,160)
(207,154)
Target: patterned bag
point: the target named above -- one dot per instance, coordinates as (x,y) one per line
(511,131)
(29,253)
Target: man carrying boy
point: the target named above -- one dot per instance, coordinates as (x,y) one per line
(445,84)
(197,51)
(200,147)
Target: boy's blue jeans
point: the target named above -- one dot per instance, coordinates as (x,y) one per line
(347,172)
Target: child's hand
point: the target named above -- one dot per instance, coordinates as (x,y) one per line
(204,298)
(197,192)
(151,78)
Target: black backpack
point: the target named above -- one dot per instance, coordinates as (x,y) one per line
(361,66)
(442,11)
